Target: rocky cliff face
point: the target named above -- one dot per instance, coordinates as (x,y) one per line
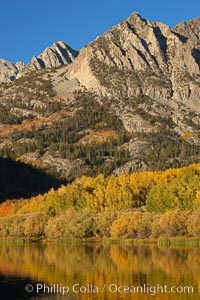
(9,71)
(59,54)
(139,58)
(149,54)
(129,100)
(190,30)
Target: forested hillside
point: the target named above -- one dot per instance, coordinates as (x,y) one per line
(127,101)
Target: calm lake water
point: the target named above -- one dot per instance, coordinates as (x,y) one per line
(95,271)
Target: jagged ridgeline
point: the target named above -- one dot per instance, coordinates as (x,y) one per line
(127,101)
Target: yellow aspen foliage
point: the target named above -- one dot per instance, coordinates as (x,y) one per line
(193,223)
(132,225)
(34,225)
(105,206)
(172,223)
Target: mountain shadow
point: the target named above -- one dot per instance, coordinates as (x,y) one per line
(19,180)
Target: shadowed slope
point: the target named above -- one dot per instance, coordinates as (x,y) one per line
(21,180)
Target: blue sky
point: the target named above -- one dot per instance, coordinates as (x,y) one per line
(27,27)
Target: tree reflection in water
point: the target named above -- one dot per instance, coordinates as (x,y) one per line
(98,264)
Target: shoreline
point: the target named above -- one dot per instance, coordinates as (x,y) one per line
(162,241)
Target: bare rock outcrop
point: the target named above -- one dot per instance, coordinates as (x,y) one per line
(59,54)
(139,58)
(142,57)
(9,70)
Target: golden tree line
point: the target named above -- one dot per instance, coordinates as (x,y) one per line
(137,205)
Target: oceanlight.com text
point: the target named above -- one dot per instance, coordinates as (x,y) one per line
(111,288)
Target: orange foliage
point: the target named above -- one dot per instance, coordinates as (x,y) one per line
(10,207)
(100,136)
(28,125)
